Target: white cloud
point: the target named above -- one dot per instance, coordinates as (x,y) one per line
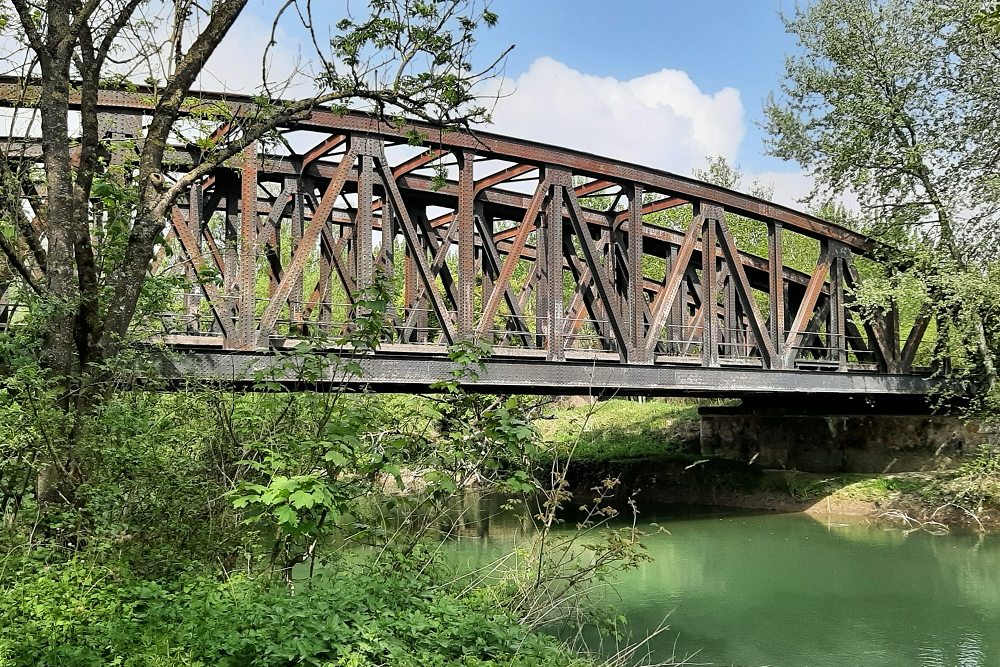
(236,66)
(790,187)
(660,120)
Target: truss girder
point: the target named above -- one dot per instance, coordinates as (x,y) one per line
(532,247)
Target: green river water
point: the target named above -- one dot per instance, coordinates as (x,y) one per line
(793,590)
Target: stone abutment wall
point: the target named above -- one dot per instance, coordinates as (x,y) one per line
(841,443)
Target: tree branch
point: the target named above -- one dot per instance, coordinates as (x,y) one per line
(15,261)
(117,25)
(35,41)
(79,21)
(139,248)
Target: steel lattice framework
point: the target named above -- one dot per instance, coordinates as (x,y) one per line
(579,270)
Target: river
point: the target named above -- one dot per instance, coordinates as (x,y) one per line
(790,590)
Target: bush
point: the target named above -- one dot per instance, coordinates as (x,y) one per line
(78,615)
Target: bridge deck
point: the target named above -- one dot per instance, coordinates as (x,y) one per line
(405,369)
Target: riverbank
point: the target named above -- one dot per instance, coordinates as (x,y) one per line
(653,449)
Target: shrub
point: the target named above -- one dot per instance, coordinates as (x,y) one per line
(79,615)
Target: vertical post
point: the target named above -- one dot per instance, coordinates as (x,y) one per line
(466,244)
(298,225)
(274,250)
(636,352)
(608,240)
(709,298)
(387,257)
(349,232)
(363,225)
(618,262)
(601,237)
(836,338)
(541,276)
(196,205)
(411,279)
(553,285)
(246,325)
(838,341)
(789,314)
(410,292)
(776,291)
(485,267)
(328,259)
(893,328)
(231,254)
(390,229)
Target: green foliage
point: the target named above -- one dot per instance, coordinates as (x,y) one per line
(205,479)
(82,615)
(480,438)
(719,172)
(882,489)
(437,35)
(863,103)
(808,487)
(989,19)
(619,429)
(969,493)
(468,356)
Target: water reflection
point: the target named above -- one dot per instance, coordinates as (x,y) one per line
(770,589)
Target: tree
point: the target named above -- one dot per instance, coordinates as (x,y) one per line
(718,171)
(84,259)
(890,99)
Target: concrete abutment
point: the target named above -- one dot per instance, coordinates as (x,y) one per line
(862,442)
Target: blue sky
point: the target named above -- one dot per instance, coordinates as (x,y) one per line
(718,43)
(665,83)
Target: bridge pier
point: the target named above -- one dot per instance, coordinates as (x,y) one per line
(862,438)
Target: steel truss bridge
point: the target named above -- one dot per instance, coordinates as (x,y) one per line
(583,273)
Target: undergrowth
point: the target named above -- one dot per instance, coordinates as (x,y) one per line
(82,614)
(620,429)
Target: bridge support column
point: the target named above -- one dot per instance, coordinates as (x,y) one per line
(857,439)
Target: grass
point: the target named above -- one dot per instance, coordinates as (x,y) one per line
(622,430)
(864,487)
(887,487)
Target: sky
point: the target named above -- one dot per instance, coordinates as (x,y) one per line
(664,83)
